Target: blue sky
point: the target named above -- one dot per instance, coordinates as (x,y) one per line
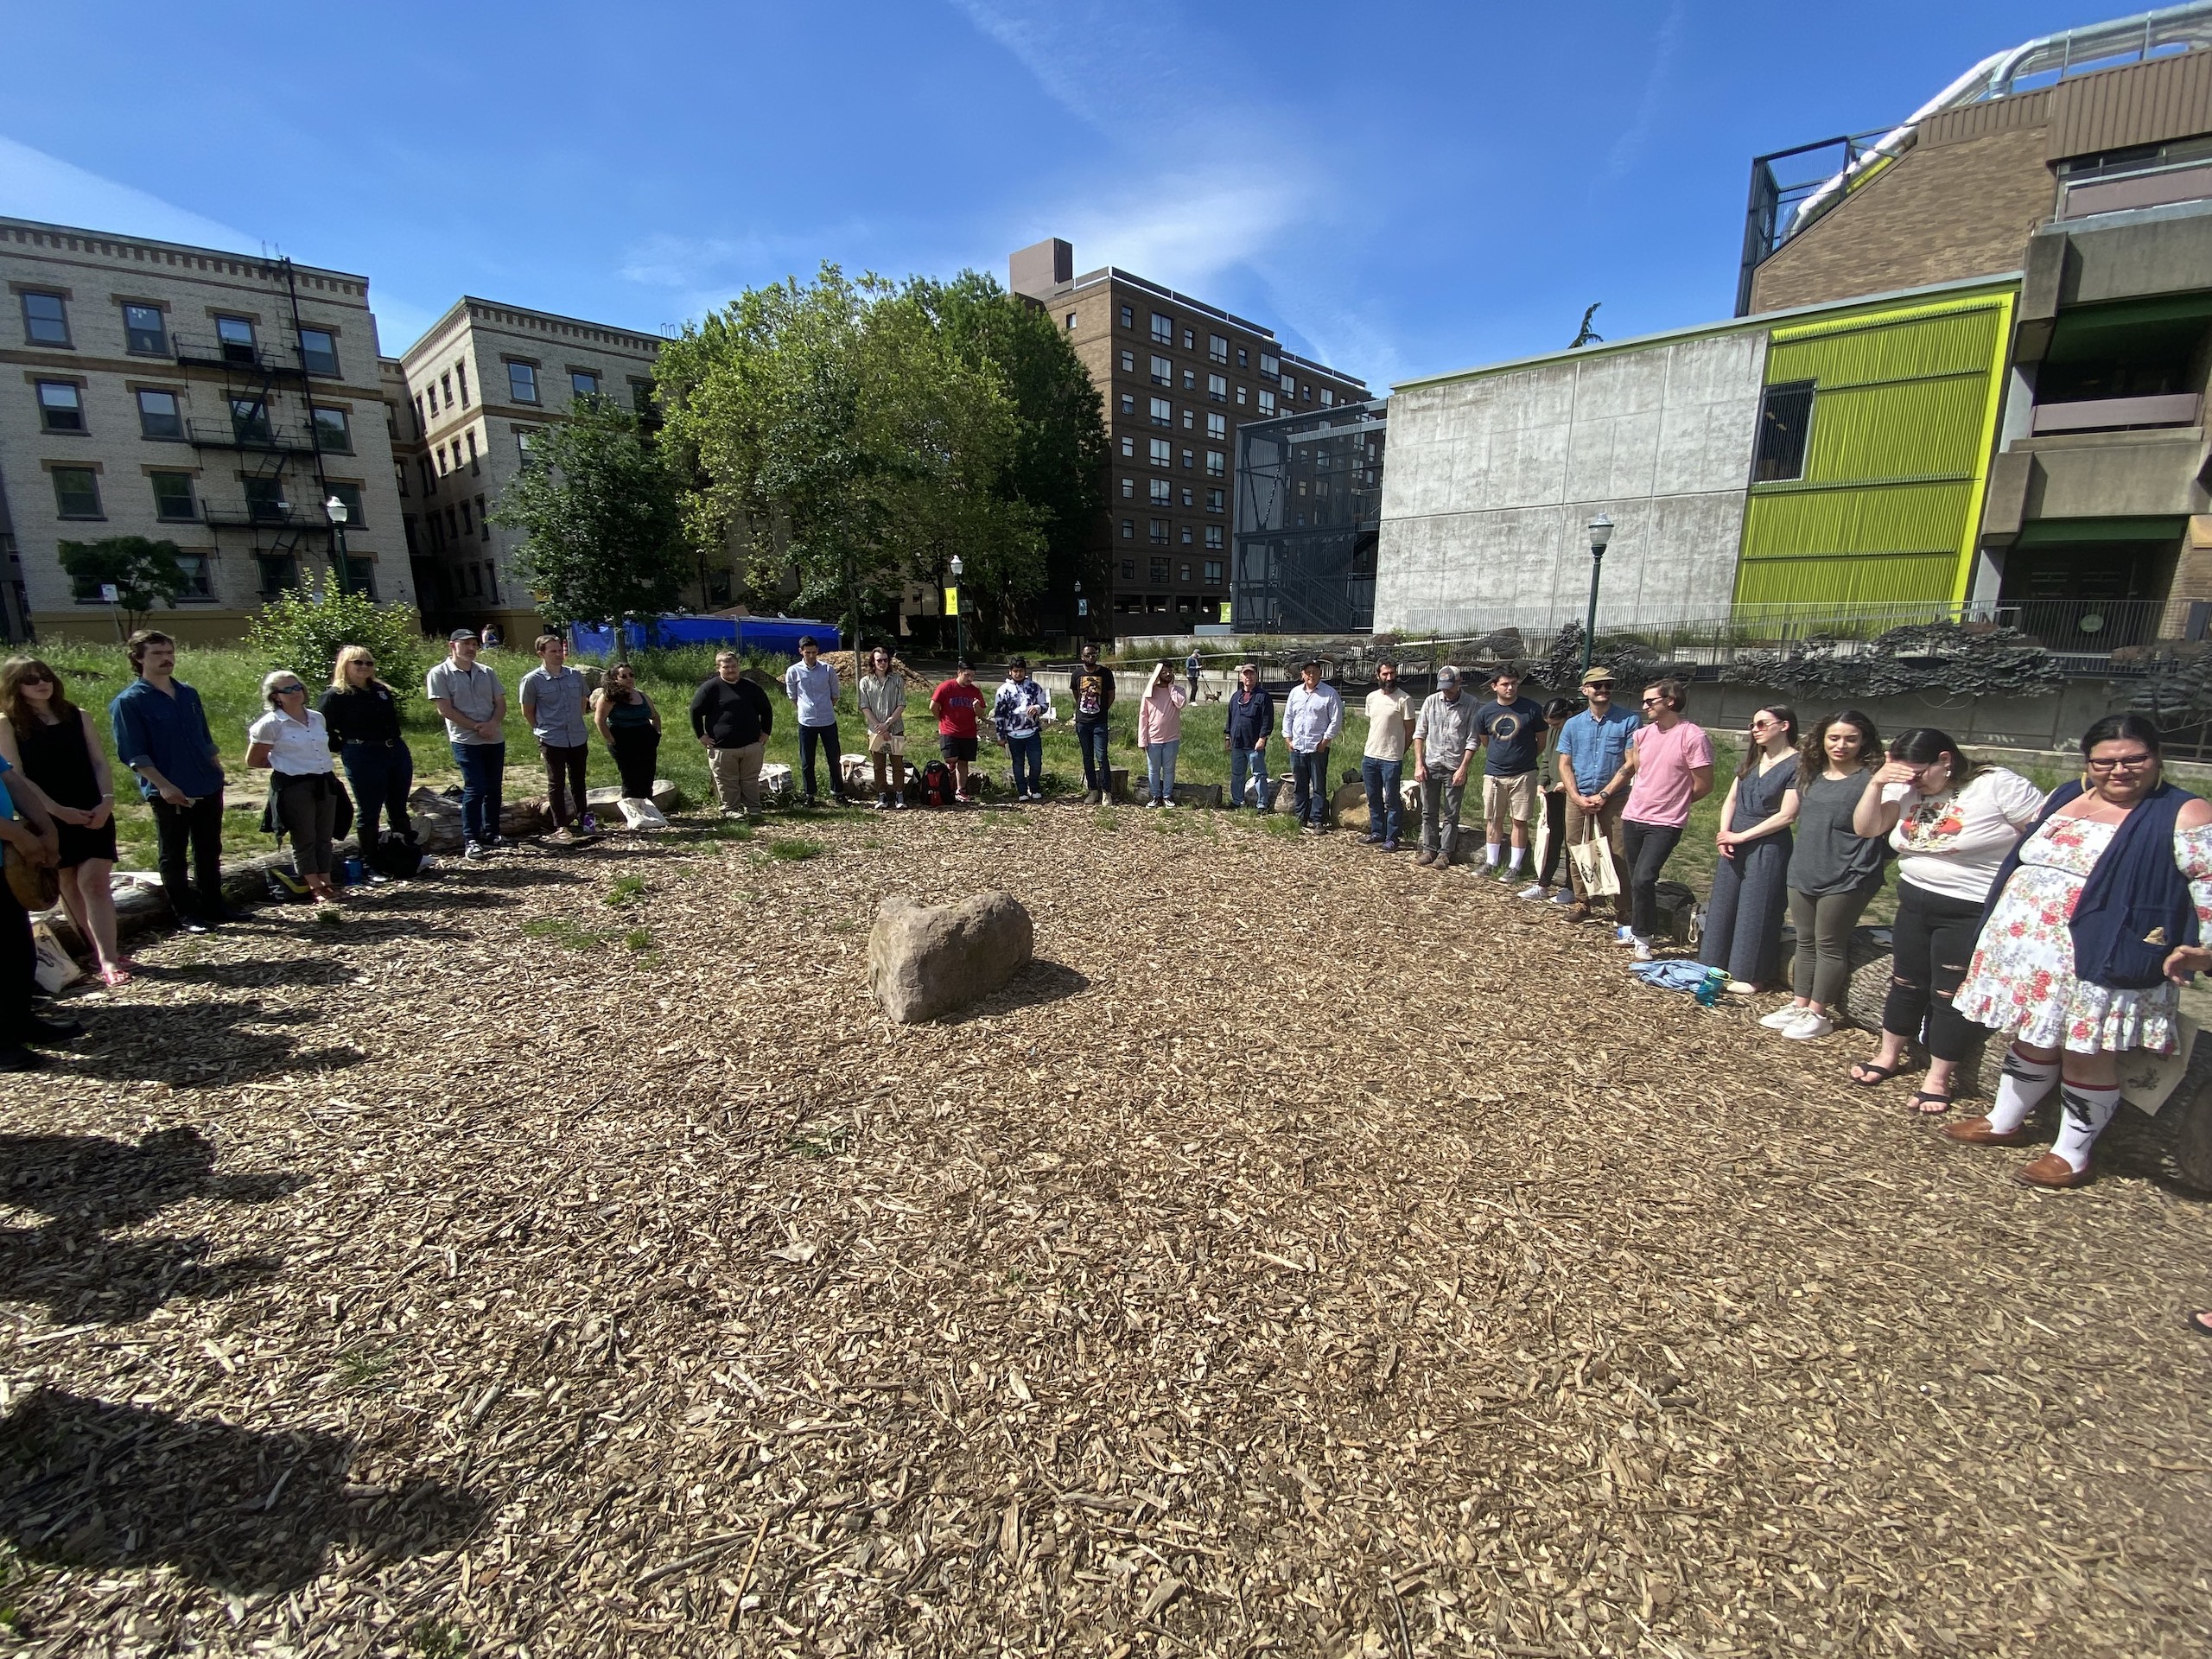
(1396,189)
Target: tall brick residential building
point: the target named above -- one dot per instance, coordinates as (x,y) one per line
(1178,377)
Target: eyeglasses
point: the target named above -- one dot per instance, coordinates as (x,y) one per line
(2122,763)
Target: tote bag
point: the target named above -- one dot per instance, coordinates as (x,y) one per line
(1593,864)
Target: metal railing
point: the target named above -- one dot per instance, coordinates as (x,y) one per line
(263,433)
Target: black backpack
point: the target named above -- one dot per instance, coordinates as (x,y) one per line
(397,854)
(936,785)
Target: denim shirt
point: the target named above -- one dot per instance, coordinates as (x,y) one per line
(1594,747)
(168,731)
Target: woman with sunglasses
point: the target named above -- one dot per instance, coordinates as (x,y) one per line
(1953,824)
(292,741)
(630,726)
(53,743)
(361,713)
(2093,926)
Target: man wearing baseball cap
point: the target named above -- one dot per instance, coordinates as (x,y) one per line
(1442,745)
(474,705)
(1592,751)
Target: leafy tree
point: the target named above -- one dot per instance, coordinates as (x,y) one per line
(600,508)
(145,572)
(299,632)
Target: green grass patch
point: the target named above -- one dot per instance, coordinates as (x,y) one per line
(1106,818)
(361,1371)
(818,1143)
(1280,825)
(626,890)
(560,930)
(792,850)
(436,1639)
(638,939)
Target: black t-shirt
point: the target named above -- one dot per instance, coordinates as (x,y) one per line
(1513,733)
(732,715)
(368,714)
(1092,690)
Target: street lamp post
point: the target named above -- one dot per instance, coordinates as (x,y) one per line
(1601,531)
(1082,614)
(959,618)
(336,511)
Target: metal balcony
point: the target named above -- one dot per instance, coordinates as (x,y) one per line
(263,435)
(211,352)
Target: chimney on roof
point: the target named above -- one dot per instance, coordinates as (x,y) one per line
(1041,267)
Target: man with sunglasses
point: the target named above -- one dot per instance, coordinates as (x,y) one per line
(1593,771)
(1669,770)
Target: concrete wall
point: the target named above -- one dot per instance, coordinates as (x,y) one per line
(1492,478)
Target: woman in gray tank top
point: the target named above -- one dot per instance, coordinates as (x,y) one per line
(1835,872)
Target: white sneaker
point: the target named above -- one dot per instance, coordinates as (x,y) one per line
(1808,1026)
(1642,951)
(1624,935)
(1787,1014)
(1562,896)
(1533,891)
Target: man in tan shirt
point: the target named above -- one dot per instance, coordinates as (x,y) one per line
(1382,764)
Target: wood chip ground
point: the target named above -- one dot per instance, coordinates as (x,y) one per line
(1310,1255)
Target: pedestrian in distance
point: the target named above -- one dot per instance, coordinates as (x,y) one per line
(1743,917)
(1192,666)
(1835,872)
(629,725)
(732,718)
(2092,926)
(474,705)
(53,742)
(1953,825)
(304,793)
(1593,780)
(1090,688)
(361,713)
(554,699)
(1444,746)
(1670,770)
(1383,759)
(161,733)
(1019,711)
(881,694)
(32,835)
(811,684)
(1251,722)
(1551,798)
(1160,734)
(1312,715)
(958,706)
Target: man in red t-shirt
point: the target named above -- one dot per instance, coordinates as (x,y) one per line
(955,703)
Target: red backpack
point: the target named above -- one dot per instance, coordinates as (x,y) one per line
(936,785)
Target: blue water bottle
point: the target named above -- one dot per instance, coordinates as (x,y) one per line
(1709,987)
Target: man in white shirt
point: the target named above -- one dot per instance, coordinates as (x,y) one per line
(811,684)
(1312,715)
(1382,765)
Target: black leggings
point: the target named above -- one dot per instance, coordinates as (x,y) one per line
(1555,817)
(637,748)
(1645,848)
(1931,942)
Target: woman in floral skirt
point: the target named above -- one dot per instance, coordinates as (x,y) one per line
(2093,925)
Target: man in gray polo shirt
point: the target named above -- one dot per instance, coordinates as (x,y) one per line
(553,703)
(1441,751)
(474,705)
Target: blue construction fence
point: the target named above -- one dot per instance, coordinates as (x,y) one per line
(771,636)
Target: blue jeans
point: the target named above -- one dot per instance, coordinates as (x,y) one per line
(1253,763)
(1091,737)
(483,770)
(1159,768)
(1311,773)
(1386,802)
(1027,754)
(382,774)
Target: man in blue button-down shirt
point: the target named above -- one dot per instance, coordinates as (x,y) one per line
(161,733)
(811,684)
(1592,751)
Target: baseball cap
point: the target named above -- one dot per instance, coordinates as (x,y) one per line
(460,633)
(1447,676)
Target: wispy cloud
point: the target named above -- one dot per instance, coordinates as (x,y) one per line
(34,185)
(1631,143)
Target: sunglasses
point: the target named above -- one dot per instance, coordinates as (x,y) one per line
(287,690)
(37,679)
(1653,703)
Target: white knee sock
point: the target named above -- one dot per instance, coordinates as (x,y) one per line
(1492,860)
(2087,1112)
(2021,1090)
(1519,853)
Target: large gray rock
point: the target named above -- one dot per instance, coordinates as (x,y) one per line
(927,960)
(665,796)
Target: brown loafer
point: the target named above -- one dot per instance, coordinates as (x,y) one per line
(1976,1132)
(2051,1170)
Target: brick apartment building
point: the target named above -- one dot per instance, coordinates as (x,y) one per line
(191,395)
(1179,377)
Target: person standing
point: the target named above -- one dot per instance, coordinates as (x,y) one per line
(474,705)
(1551,795)
(1192,666)
(553,696)
(1382,760)
(1020,712)
(881,695)
(361,713)
(1091,689)
(1594,778)
(1251,722)
(1670,770)
(1443,747)
(1835,872)
(1743,922)
(31,832)
(1511,728)
(53,743)
(732,718)
(629,725)
(957,705)
(1160,734)
(292,741)
(1312,717)
(161,732)
(811,684)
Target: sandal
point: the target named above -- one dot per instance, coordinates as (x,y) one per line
(1876,1075)
(1927,1102)
(2200,1323)
(115,975)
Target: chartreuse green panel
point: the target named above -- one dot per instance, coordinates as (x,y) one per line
(1826,584)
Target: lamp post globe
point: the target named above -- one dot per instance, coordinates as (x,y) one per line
(334,509)
(959,612)
(1601,535)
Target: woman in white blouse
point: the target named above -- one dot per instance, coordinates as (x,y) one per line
(291,740)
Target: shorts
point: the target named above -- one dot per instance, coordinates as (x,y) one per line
(1509,797)
(956,748)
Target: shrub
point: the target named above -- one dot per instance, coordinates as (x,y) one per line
(299,632)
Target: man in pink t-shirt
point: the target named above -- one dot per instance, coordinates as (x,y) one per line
(1670,768)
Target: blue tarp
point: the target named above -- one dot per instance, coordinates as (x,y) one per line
(777,636)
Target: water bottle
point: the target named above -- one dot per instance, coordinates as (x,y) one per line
(1709,987)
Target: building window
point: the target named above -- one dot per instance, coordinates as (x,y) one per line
(145,332)
(1213,566)
(1187,539)
(333,432)
(1306,392)
(1128,488)
(1071,323)
(196,583)
(525,439)
(1129,448)
(77,492)
(1187,459)
(1163,328)
(1129,362)
(1785,424)
(1217,463)
(1163,453)
(467,523)
(172,496)
(1185,566)
(420,429)
(1217,501)
(1328,399)
(1218,427)
(1218,347)
(1159,539)
(235,336)
(442,467)
(429,478)
(445,385)
(250,421)
(280,573)
(1128,402)
(1129,569)
(357,575)
(1217,388)
(483,524)
(461,373)
(522,382)
(318,351)
(350,494)
(60,406)
(1163,412)
(1129,530)
(1243,358)
(1189,379)
(46,320)
(1189,416)
(583,383)
(264,500)
(433,390)
(1163,372)
(1213,541)
(1128,317)
(1162,492)
(1160,568)
(1270,365)
(399,477)
(472,465)
(1187,498)
(1267,404)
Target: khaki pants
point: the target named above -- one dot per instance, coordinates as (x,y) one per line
(737,776)
(1506,802)
(1608,822)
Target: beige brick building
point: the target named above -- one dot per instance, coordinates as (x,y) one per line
(471,394)
(211,399)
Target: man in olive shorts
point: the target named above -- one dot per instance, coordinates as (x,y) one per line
(1511,731)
